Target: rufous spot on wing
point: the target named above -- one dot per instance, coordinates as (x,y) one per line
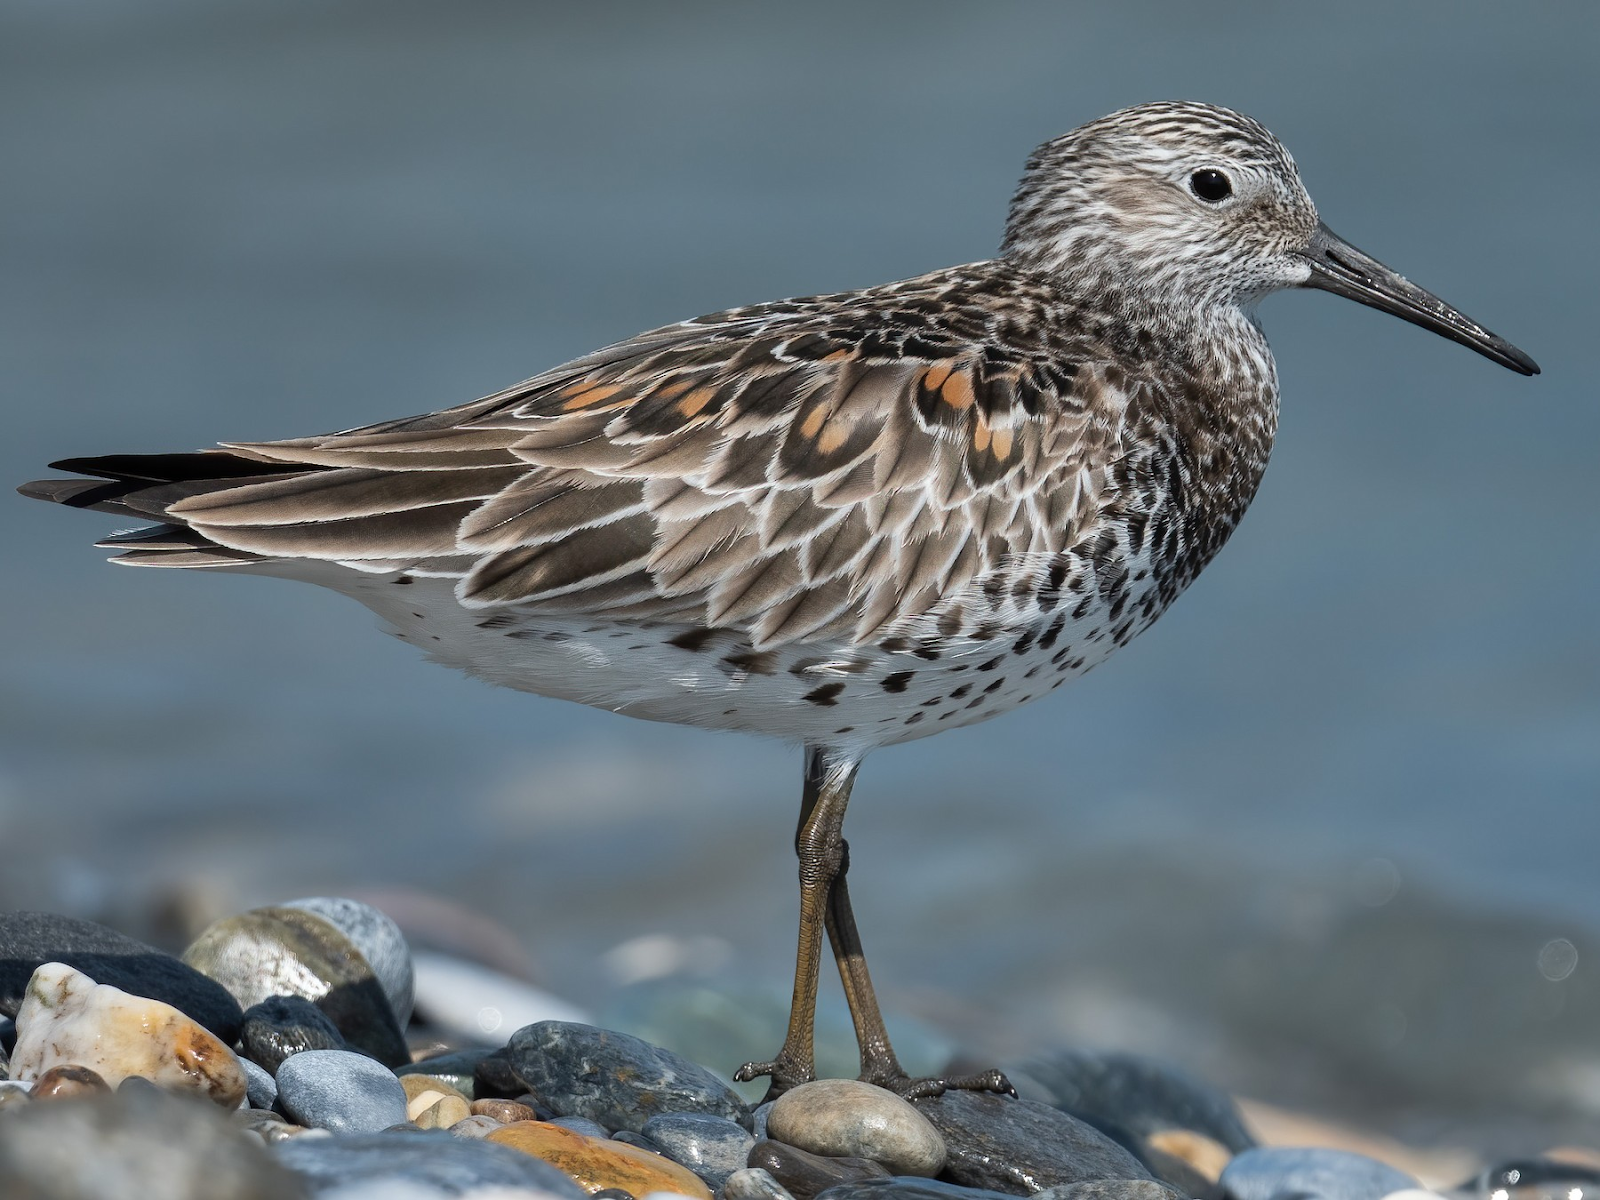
(937,374)
(812,425)
(696,400)
(957,391)
(981,434)
(834,436)
(585,394)
(1001,446)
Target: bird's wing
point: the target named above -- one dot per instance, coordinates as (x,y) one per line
(767,471)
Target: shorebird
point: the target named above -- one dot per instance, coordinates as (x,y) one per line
(847,520)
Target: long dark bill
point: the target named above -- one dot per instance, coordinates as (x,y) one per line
(1338,267)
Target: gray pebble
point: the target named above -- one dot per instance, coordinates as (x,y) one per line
(261,1089)
(584,1126)
(283,1025)
(712,1147)
(1269,1172)
(1022,1145)
(340,1091)
(752,1183)
(758,1119)
(846,1118)
(629,1138)
(909,1187)
(1113,1189)
(617,1080)
(424,1158)
(380,941)
(474,1127)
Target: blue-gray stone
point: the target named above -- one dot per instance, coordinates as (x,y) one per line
(758,1119)
(340,1091)
(582,1125)
(805,1174)
(458,1069)
(1022,1146)
(752,1183)
(30,939)
(712,1147)
(283,1025)
(424,1158)
(380,941)
(1115,1189)
(1129,1092)
(261,1089)
(1279,1172)
(629,1138)
(613,1078)
(909,1187)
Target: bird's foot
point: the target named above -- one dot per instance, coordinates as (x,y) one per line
(784,1072)
(907,1088)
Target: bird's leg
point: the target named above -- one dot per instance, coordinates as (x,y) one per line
(878,1062)
(821,851)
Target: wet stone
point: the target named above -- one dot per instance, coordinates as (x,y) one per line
(457,1069)
(712,1147)
(261,1089)
(1128,1092)
(380,942)
(910,1187)
(28,940)
(1267,1172)
(155,1145)
(581,1125)
(1113,1189)
(638,1140)
(475,1127)
(283,1025)
(758,1119)
(281,951)
(597,1164)
(69,1019)
(340,1091)
(504,1112)
(1533,1179)
(845,1118)
(805,1174)
(1021,1146)
(67,1081)
(424,1159)
(753,1183)
(493,1075)
(617,1080)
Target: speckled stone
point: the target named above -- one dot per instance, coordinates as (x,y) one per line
(1022,1146)
(845,1118)
(712,1147)
(909,1187)
(340,1091)
(617,1080)
(475,1127)
(1268,1172)
(805,1174)
(28,940)
(753,1183)
(1113,1189)
(280,951)
(283,1025)
(380,941)
(428,1158)
(261,1089)
(67,1081)
(69,1019)
(581,1125)
(597,1164)
(120,1145)
(503,1112)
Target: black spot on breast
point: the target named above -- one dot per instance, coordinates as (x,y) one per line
(898,681)
(755,662)
(950,621)
(915,717)
(693,638)
(403,579)
(929,651)
(995,686)
(894,645)
(419,616)
(1054,632)
(827,695)
(845,729)
(961,691)
(1023,643)
(992,663)
(498,620)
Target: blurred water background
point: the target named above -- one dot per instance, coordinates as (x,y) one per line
(1328,833)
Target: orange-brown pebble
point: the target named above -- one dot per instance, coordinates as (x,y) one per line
(597,1164)
(67,1081)
(1205,1155)
(504,1111)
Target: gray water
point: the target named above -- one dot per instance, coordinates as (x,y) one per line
(1310,834)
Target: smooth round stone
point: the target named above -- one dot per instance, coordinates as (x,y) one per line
(504,1112)
(380,941)
(1113,1189)
(283,1025)
(1141,1095)
(475,1127)
(295,952)
(910,1187)
(1022,1146)
(69,1019)
(427,1158)
(638,1140)
(340,1091)
(457,1069)
(581,1125)
(1267,1172)
(443,1113)
(597,1164)
(28,940)
(65,1082)
(753,1183)
(261,1089)
(758,1119)
(424,1090)
(712,1147)
(154,1145)
(805,1174)
(845,1118)
(617,1080)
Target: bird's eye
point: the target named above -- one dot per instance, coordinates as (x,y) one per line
(1211,185)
